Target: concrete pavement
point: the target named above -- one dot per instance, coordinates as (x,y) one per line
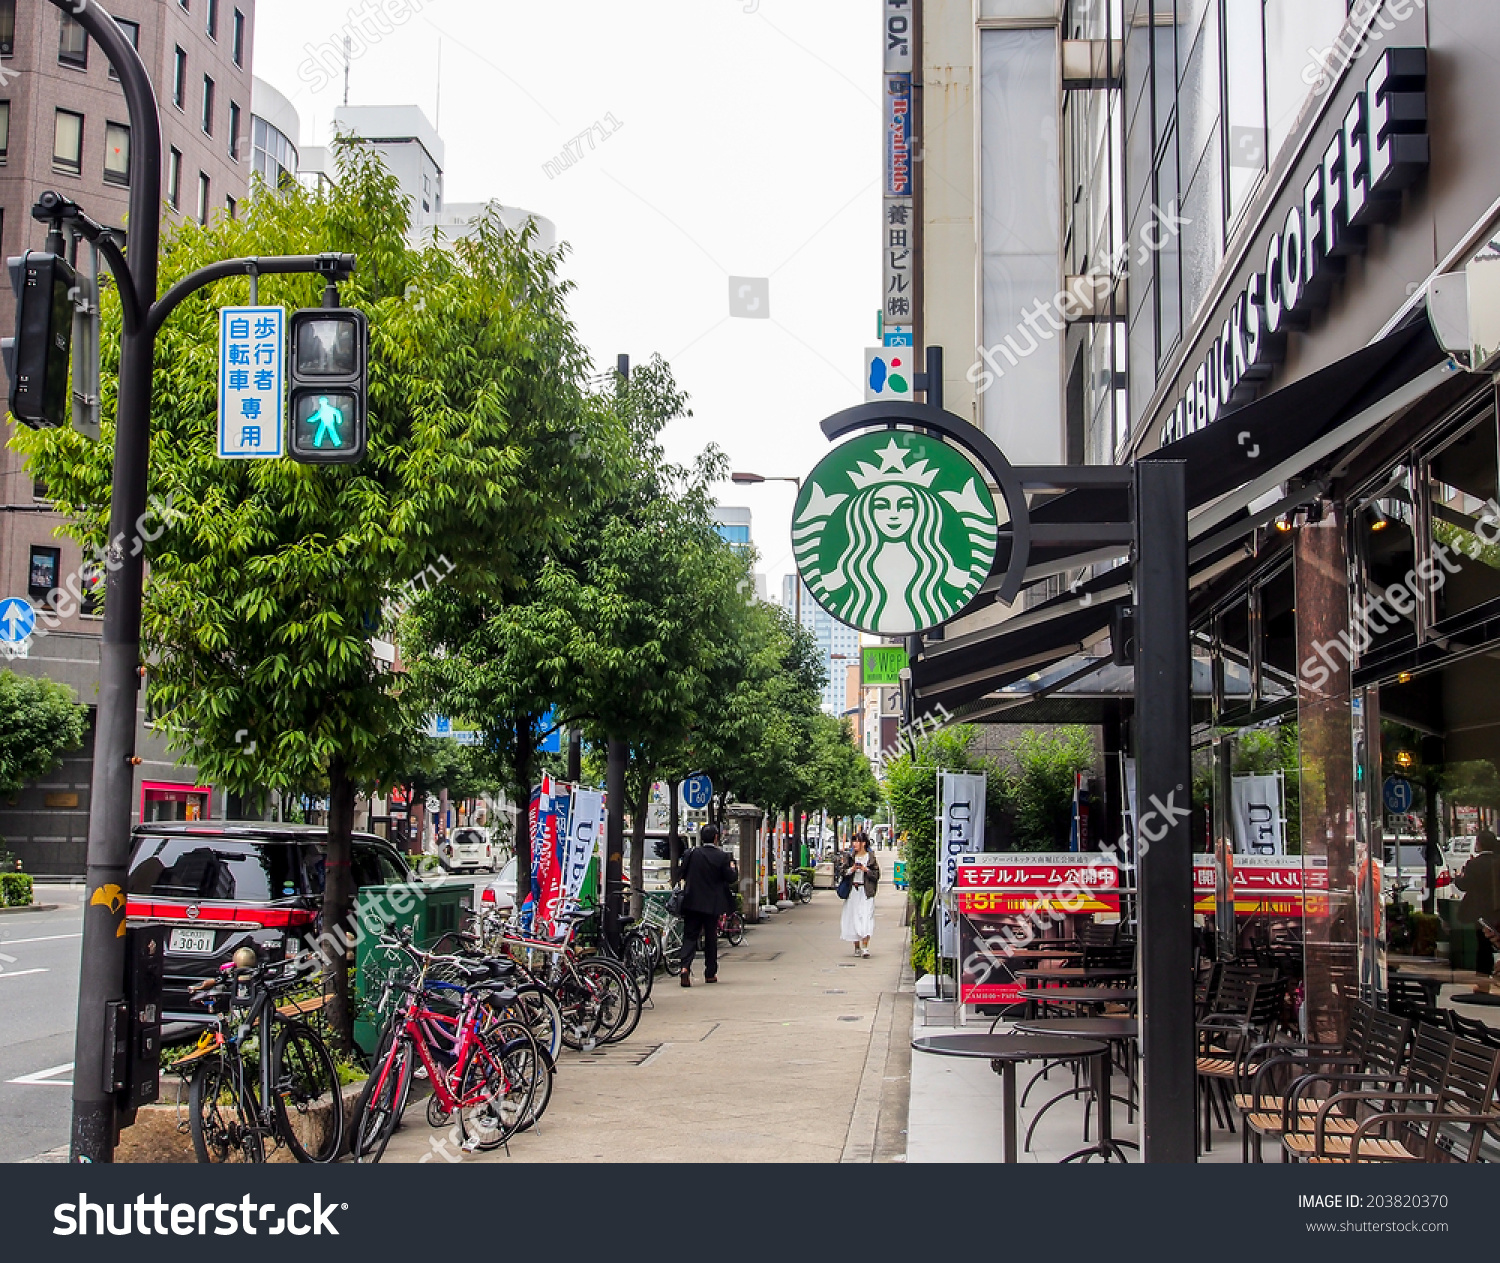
(799,1053)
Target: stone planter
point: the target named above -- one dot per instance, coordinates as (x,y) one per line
(160,1132)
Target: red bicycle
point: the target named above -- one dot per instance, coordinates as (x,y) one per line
(486,1074)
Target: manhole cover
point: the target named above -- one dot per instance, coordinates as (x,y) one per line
(754,956)
(855,1018)
(836,991)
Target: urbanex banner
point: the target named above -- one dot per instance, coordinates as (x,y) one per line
(960,831)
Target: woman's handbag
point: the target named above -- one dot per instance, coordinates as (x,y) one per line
(846,884)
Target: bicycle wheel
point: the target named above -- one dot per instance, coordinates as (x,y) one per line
(542,1015)
(495,1091)
(804,891)
(507,1031)
(303,1078)
(580,1014)
(616,995)
(382,1101)
(216,1114)
(734,928)
(640,962)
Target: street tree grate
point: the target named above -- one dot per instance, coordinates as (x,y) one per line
(755,957)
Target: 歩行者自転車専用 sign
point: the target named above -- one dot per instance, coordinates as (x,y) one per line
(894,532)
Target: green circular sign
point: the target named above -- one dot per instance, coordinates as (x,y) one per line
(894,532)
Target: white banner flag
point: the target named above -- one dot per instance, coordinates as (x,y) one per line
(1259,824)
(585,827)
(960,824)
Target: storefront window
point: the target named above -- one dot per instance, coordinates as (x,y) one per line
(1461,484)
(1277,679)
(1386,541)
(1234,656)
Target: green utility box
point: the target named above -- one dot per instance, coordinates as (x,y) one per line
(431,910)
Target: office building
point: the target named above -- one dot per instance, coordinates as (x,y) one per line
(838,643)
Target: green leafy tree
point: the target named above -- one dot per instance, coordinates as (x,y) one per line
(1039,784)
(40,721)
(270,578)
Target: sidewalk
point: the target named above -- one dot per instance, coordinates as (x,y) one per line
(798,1054)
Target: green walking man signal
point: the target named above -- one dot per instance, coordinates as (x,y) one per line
(329,363)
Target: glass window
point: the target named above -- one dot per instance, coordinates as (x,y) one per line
(39,490)
(211,22)
(92,605)
(179,78)
(7,28)
(67,142)
(208,106)
(42,571)
(4,129)
(202,198)
(1461,485)
(239,38)
(73,43)
(1277,675)
(1244,100)
(174,178)
(215,868)
(133,31)
(230,206)
(234,131)
(1385,537)
(1168,257)
(117,153)
(1234,655)
(1293,27)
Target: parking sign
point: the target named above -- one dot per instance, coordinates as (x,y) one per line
(252,353)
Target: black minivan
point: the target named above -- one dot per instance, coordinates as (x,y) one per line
(220,885)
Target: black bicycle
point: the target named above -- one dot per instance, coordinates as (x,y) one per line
(261,1078)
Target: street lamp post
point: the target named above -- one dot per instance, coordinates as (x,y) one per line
(750,480)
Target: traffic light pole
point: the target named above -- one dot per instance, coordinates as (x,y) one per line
(101,982)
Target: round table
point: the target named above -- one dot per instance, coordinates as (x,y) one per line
(1097,974)
(1003,1052)
(1483,998)
(1110,1030)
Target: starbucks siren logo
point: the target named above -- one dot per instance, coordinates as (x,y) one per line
(894,532)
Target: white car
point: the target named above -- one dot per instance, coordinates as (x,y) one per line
(501,892)
(467,847)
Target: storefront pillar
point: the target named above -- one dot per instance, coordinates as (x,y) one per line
(744,820)
(1326,735)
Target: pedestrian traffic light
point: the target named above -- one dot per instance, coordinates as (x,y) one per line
(36,359)
(330,352)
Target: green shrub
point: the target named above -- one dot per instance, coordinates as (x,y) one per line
(923,955)
(15,890)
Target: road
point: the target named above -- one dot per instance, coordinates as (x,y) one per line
(38,1003)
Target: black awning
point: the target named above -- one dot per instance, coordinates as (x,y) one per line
(1252,440)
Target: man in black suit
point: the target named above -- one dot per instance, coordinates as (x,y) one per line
(709,876)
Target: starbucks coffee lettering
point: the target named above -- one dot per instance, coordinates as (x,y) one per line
(1380,147)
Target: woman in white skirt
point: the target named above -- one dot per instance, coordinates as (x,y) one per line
(863,871)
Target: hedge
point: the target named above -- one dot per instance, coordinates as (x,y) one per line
(15,890)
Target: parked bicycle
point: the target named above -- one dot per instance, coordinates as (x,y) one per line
(260,1078)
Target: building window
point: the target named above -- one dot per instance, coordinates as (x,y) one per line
(239,38)
(7,28)
(231,206)
(211,22)
(234,132)
(202,198)
(179,78)
(208,106)
(42,572)
(93,593)
(39,491)
(4,129)
(67,142)
(183,5)
(174,179)
(133,30)
(73,44)
(117,153)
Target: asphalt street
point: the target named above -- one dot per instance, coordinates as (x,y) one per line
(38,1000)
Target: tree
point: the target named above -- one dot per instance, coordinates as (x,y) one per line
(270,578)
(1039,784)
(40,720)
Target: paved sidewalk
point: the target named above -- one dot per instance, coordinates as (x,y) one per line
(798,1054)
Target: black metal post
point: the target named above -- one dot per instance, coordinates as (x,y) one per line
(1164,863)
(102,972)
(575,756)
(935,376)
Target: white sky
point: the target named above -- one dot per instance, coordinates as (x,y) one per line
(750,145)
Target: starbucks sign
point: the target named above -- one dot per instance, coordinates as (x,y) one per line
(894,532)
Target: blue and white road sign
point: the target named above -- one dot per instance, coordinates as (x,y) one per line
(17,620)
(1398,795)
(252,394)
(697,791)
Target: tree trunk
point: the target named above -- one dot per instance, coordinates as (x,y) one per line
(525,755)
(338,901)
(674,843)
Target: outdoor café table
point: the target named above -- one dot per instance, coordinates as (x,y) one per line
(1091,997)
(1098,974)
(1475,997)
(1003,1052)
(1110,1031)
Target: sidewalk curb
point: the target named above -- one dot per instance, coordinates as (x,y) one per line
(32,907)
(882,1094)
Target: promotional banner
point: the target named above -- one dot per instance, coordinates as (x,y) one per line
(1014,883)
(549,823)
(1265,885)
(1259,822)
(582,825)
(960,831)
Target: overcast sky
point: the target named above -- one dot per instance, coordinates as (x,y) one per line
(749,145)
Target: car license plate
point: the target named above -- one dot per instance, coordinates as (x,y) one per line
(191,941)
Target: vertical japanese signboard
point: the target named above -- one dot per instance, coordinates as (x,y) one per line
(898,32)
(252,351)
(897,259)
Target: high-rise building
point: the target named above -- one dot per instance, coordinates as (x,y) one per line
(838,643)
(64,126)
(733,525)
